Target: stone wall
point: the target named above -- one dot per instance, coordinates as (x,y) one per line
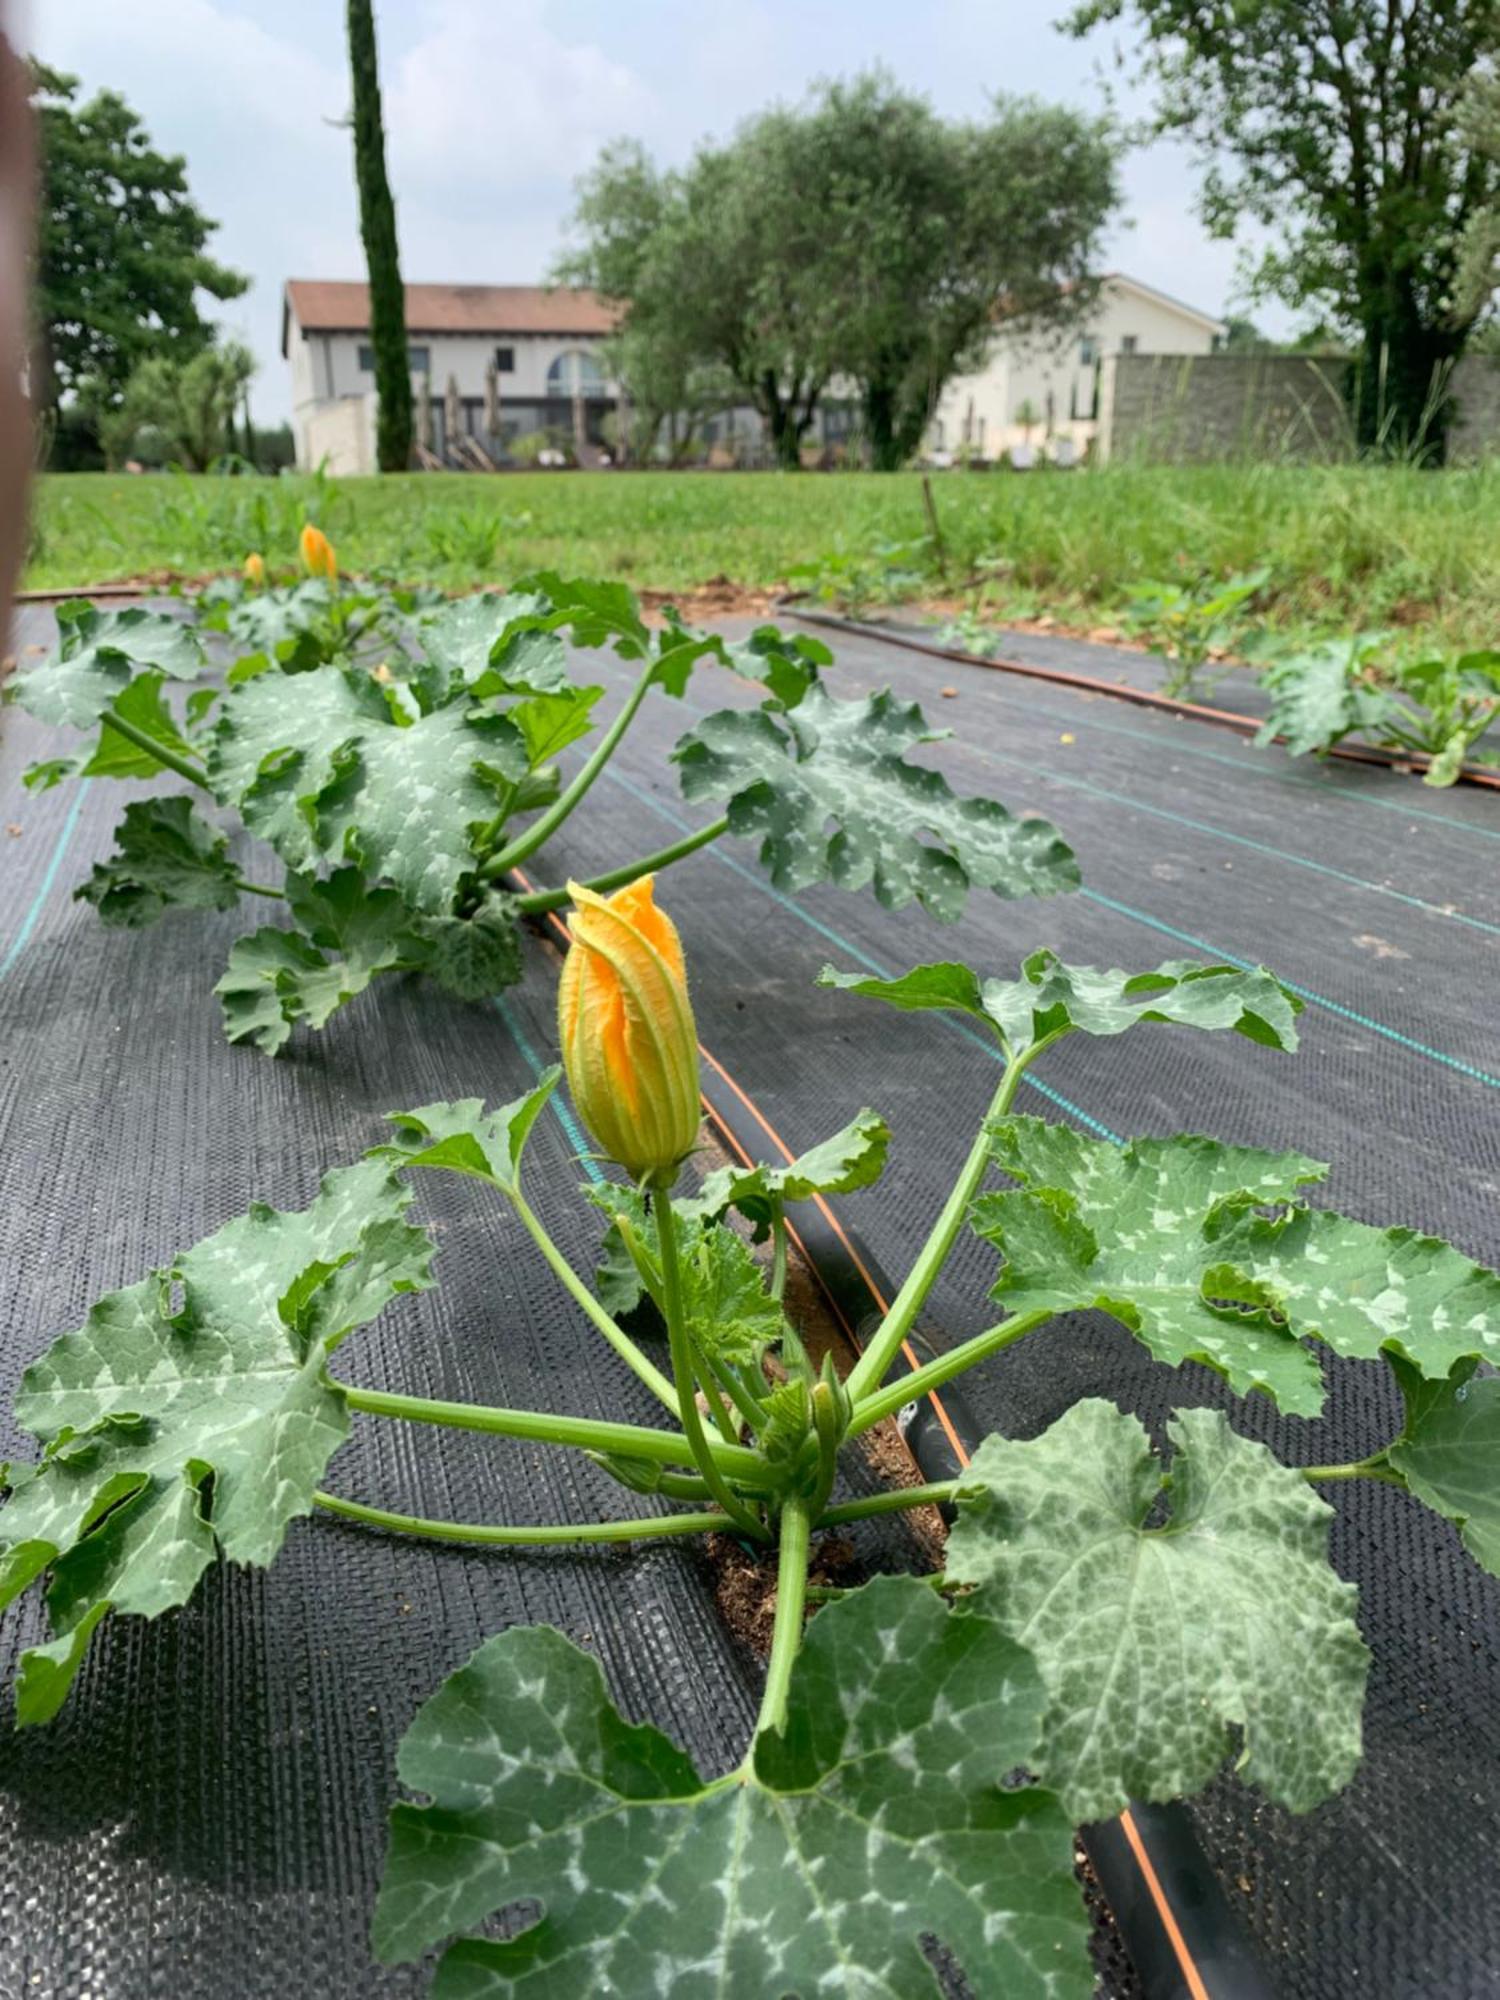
(1197,408)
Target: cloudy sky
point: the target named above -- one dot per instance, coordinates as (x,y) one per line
(493,107)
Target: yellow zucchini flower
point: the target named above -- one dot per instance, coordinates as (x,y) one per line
(317,553)
(255,571)
(629,1044)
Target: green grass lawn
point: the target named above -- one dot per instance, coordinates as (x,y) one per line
(1348,546)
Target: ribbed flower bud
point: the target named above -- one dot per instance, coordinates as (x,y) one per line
(629,1044)
(317,553)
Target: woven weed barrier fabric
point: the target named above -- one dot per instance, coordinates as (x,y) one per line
(1380,901)
(207,1814)
(208,1811)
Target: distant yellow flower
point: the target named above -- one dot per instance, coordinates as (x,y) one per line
(629,1043)
(255,571)
(317,553)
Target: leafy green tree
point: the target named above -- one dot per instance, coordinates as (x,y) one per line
(1334,123)
(189,405)
(858,235)
(121,246)
(930,229)
(719,263)
(377,228)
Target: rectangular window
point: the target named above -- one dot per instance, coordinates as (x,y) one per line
(1088,351)
(1127,343)
(505,360)
(417,359)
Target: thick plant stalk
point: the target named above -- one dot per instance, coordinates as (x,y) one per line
(884,1346)
(791,1606)
(542,830)
(683,1374)
(538,902)
(524,1538)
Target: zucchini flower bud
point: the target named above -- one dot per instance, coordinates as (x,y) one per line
(317,553)
(255,571)
(629,1043)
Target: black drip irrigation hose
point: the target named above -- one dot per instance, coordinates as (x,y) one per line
(1183,1939)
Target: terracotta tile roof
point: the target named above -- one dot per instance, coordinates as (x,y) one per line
(323,305)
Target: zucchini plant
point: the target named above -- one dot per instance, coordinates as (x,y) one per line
(1438,708)
(925,1745)
(399,757)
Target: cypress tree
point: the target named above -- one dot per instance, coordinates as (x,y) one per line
(377,228)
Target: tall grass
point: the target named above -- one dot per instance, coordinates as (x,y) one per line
(1348,546)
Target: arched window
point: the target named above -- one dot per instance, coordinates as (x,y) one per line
(575,374)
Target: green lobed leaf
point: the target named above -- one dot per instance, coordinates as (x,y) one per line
(1448,1454)
(897,826)
(477,956)
(851,1159)
(729,1313)
(1154,1642)
(1168,1237)
(175,1433)
(333,772)
(875,1821)
(1139,1231)
(348,932)
(1052,999)
(266,619)
(464,1138)
(166,857)
(1320,695)
(464,637)
(97,657)
(786,664)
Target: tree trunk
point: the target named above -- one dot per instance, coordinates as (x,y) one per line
(377,228)
(1402,404)
(886,453)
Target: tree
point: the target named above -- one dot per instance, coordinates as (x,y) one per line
(121,246)
(377,228)
(716,265)
(933,231)
(190,405)
(1334,122)
(858,235)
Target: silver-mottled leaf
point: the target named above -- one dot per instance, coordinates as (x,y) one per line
(1156,1641)
(875,1820)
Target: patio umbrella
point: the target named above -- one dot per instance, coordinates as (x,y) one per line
(492,399)
(453,417)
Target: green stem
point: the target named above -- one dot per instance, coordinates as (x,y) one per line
(1375,1467)
(468,1531)
(584,1433)
(885,1344)
(778,1253)
(540,901)
(738,1391)
(708,1376)
(682,1367)
(143,741)
(932,1374)
(791,1606)
(258,889)
(644,1370)
(542,829)
(894,1502)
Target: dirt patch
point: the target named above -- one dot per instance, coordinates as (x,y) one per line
(745,1583)
(719,597)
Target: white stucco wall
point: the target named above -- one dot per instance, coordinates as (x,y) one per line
(1051,374)
(325,371)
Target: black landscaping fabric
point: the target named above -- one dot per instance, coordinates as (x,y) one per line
(1380,900)
(207,1813)
(206,1816)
